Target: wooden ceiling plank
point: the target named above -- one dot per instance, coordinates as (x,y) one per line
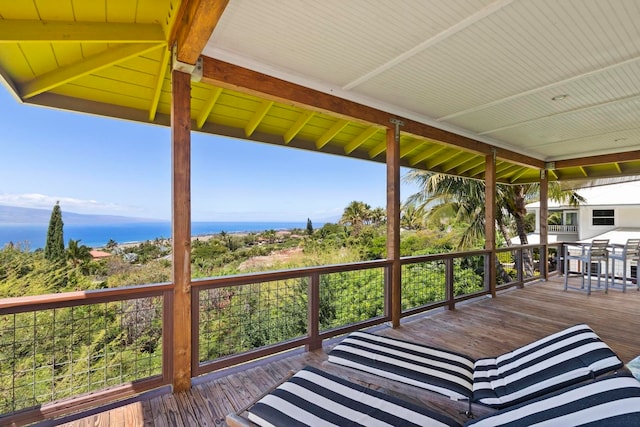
(380,148)
(408,148)
(331,132)
(26,31)
(257,117)
(514,178)
(478,170)
(617,166)
(442,159)
(208,106)
(297,126)
(87,66)
(360,139)
(470,164)
(431,151)
(459,160)
(230,76)
(194,26)
(162,71)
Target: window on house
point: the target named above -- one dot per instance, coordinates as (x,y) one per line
(603,217)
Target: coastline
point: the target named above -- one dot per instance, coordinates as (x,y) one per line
(96,236)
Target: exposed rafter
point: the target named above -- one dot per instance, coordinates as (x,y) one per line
(208,106)
(25,31)
(257,117)
(408,148)
(162,72)
(331,133)
(82,68)
(432,151)
(360,139)
(297,126)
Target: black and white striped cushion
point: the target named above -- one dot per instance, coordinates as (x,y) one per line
(441,371)
(558,360)
(315,398)
(608,401)
(564,358)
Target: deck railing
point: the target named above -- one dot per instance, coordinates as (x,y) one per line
(235,319)
(553,228)
(68,340)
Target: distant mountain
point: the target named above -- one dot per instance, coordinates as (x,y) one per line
(18,215)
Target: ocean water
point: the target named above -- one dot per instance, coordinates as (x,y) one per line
(97,235)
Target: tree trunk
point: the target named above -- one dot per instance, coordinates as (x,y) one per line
(520,212)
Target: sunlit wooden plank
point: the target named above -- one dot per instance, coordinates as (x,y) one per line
(470,164)
(297,126)
(523,171)
(458,160)
(23,31)
(360,139)
(583,171)
(408,148)
(207,107)
(443,158)
(194,26)
(425,154)
(331,132)
(64,75)
(257,117)
(160,77)
(377,149)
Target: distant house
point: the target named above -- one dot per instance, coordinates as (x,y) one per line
(97,255)
(609,212)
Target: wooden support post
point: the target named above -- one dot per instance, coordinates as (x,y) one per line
(181,227)
(313,315)
(490,221)
(544,221)
(393,221)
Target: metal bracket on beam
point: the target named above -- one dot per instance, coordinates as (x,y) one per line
(549,166)
(194,69)
(397,123)
(543,173)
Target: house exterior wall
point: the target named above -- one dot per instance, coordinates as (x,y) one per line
(624,216)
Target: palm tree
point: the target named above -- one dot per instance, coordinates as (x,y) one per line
(77,253)
(356,215)
(463,200)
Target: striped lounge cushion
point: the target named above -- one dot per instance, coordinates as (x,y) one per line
(314,398)
(564,358)
(608,401)
(441,371)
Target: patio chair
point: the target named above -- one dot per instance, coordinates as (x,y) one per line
(567,357)
(629,252)
(597,252)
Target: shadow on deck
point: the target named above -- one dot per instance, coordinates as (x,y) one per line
(481,327)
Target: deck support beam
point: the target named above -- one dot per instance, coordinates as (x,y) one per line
(181,228)
(544,221)
(393,221)
(490,221)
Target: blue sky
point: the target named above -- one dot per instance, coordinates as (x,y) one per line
(114,167)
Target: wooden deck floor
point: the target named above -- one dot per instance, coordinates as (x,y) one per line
(478,328)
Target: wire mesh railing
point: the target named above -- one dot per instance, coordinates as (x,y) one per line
(68,346)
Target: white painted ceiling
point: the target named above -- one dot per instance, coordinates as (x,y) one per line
(481,68)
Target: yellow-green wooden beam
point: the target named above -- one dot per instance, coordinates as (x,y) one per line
(162,71)
(28,31)
(208,106)
(330,133)
(257,117)
(87,66)
(427,153)
(297,126)
(408,148)
(360,139)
